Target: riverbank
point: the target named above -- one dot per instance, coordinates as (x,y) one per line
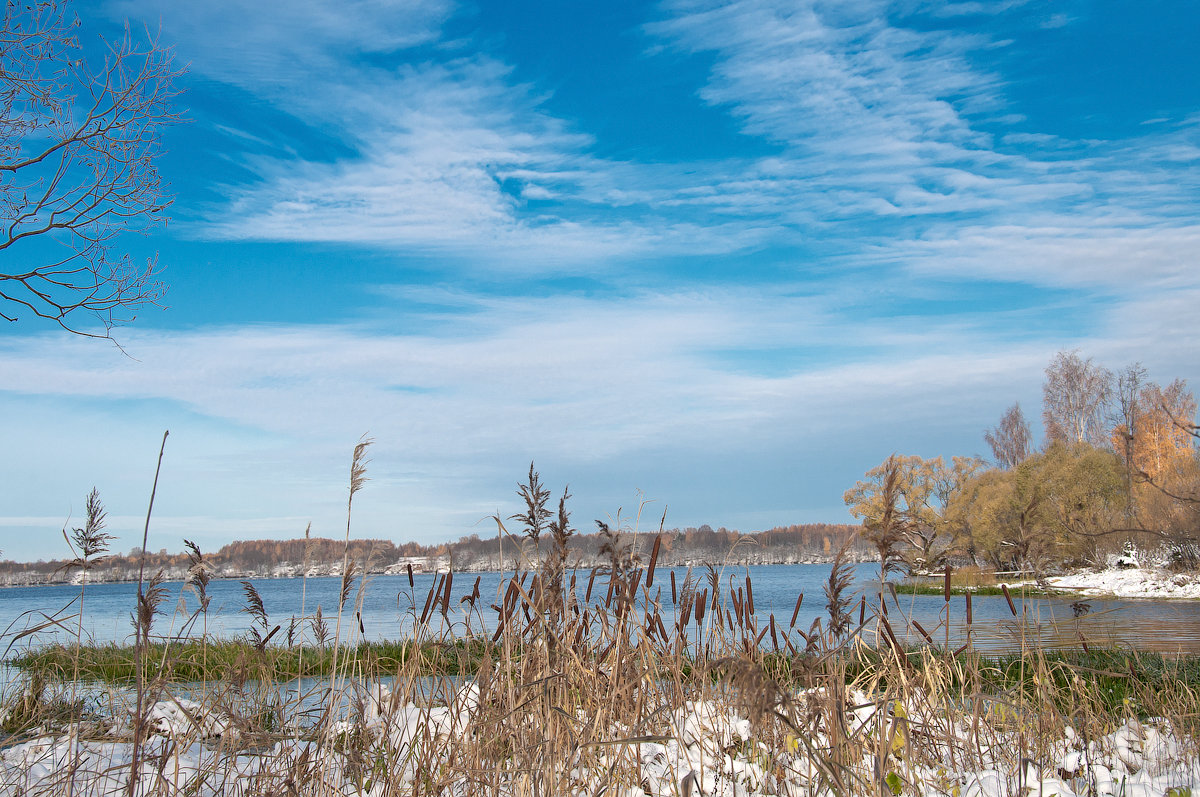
(1130,582)
(288,570)
(706,747)
(645,684)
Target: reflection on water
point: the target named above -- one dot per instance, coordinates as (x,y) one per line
(1061,622)
(387,606)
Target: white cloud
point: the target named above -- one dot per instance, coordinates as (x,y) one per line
(292,52)
(607,394)
(883,128)
(892,139)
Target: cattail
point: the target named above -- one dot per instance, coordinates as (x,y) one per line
(701,604)
(796,611)
(917,626)
(446,593)
(946,585)
(887,628)
(262,643)
(968,607)
(1011,606)
(674,594)
(749,594)
(436,588)
(411,583)
(774,639)
(862,611)
(653,561)
(587,597)
(510,596)
(474,596)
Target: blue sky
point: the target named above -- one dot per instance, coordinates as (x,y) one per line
(722,257)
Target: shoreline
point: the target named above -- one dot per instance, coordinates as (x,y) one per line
(1143,583)
(286,571)
(1135,583)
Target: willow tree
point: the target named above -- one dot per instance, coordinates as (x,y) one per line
(1058,506)
(902,503)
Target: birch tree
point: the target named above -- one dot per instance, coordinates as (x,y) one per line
(1011,440)
(1075,398)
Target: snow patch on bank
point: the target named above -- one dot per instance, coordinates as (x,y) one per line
(709,750)
(1131,582)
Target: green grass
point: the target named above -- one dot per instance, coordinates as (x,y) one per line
(215,660)
(1116,680)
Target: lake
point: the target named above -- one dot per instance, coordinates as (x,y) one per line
(387,609)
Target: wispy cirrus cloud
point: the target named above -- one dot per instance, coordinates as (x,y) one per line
(895,135)
(894,129)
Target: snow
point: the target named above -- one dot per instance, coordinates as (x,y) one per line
(708,750)
(1130,582)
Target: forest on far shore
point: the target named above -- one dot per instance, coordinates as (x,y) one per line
(248,558)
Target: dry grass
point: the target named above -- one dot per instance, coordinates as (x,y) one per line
(574,677)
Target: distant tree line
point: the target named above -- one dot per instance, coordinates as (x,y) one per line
(242,558)
(692,545)
(1118,467)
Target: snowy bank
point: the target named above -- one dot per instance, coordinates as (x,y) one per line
(1130,582)
(705,749)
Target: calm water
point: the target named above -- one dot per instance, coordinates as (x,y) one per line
(387,609)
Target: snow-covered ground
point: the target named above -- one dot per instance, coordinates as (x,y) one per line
(706,749)
(1147,581)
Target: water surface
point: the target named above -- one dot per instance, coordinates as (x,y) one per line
(387,606)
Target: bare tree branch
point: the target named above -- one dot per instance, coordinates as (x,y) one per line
(78,152)
(1075,397)
(1011,441)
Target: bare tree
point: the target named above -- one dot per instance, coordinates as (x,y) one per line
(1011,440)
(78,146)
(1075,396)
(1129,387)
